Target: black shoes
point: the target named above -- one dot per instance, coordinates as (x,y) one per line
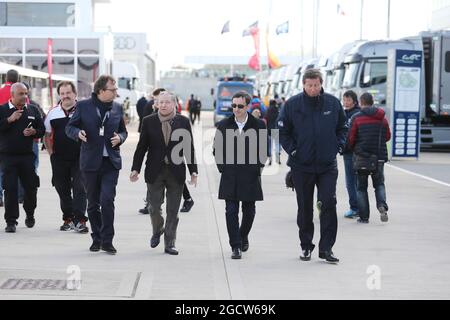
(10,228)
(154,241)
(109,248)
(171,250)
(328,256)
(95,247)
(30,222)
(187,205)
(363,221)
(237,254)
(306,255)
(144,211)
(244,244)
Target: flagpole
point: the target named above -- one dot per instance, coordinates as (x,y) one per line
(316,28)
(389,20)
(361,21)
(301,30)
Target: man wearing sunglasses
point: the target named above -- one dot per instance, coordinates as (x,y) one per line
(240,150)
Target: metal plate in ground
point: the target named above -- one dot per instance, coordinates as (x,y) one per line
(108,284)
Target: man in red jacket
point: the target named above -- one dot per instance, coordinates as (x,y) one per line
(12,76)
(368,135)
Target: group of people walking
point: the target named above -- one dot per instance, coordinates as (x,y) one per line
(313,129)
(84,137)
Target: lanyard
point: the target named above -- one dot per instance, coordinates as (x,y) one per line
(104,119)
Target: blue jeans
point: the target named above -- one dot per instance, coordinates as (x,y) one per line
(36,153)
(350,181)
(380,192)
(274,139)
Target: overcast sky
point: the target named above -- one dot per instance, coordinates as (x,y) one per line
(178,28)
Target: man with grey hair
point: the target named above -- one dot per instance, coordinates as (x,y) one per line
(313,130)
(19,125)
(162,135)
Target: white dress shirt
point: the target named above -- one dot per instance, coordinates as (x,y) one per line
(241,125)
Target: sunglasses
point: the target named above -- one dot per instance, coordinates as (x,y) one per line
(240,106)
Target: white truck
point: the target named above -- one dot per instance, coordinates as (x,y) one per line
(366,71)
(127,76)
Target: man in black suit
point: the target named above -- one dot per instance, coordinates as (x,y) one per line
(167,137)
(240,150)
(140,105)
(19,125)
(98,122)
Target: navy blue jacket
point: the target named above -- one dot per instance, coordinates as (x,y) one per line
(350,113)
(312,131)
(86,118)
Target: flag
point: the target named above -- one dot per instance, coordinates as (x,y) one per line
(254,62)
(283,28)
(272,61)
(226,27)
(50,67)
(340,11)
(248,31)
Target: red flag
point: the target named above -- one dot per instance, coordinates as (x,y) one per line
(254,60)
(50,67)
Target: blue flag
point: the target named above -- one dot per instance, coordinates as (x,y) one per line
(226,27)
(283,28)
(248,31)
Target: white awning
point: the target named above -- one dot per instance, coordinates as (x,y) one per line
(4,67)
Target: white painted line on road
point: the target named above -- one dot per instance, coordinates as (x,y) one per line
(419,175)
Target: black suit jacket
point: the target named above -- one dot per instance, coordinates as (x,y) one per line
(240,181)
(179,152)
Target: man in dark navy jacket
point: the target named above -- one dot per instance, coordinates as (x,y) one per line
(19,125)
(312,131)
(98,123)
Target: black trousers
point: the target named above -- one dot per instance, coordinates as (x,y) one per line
(19,167)
(236,233)
(193,116)
(186,193)
(101,192)
(305,184)
(68,180)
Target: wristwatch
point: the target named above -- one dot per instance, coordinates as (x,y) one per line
(195,174)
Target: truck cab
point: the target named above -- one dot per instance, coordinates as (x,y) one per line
(366,67)
(127,77)
(225,90)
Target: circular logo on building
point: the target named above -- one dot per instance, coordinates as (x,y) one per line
(124,43)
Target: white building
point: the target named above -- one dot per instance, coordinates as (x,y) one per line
(79,53)
(441,15)
(134,48)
